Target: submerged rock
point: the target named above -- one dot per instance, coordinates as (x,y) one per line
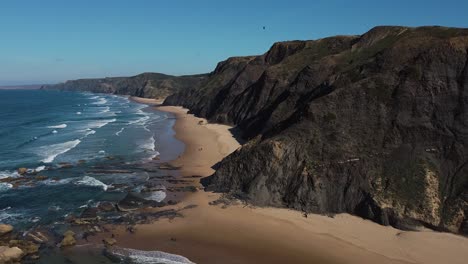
(41,178)
(133,202)
(22,171)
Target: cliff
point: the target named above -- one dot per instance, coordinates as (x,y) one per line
(150,85)
(374,125)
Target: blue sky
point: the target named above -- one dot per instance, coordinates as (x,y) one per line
(51,41)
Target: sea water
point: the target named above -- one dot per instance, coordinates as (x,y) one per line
(68,137)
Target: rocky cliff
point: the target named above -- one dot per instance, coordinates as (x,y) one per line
(150,85)
(374,125)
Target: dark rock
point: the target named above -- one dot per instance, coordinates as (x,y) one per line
(167,166)
(89,213)
(41,178)
(106,207)
(172,202)
(65,165)
(133,202)
(374,125)
(182,189)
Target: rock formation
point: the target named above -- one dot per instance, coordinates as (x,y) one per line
(374,125)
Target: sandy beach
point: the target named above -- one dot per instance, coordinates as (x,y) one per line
(246,234)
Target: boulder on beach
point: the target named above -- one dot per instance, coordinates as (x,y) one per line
(109,242)
(10,254)
(5,229)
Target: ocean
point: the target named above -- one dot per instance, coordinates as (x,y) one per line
(70,143)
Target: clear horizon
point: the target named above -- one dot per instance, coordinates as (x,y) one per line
(52,41)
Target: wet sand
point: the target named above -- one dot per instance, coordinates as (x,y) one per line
(243,234)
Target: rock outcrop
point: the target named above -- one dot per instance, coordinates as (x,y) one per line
(5,229)
(68,239)
(374,125)
(10,254)
(149,85)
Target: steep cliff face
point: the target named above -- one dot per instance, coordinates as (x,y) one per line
(374,125)
(150,85)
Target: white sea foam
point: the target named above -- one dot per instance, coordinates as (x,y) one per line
(52,151)
(5,186)
(101,101)
(101,123)
(147,257)
(142,120)
(85,181)
(57,182)
(105,110)
(58,126)
(54,208)
(89,132)
(78,113)
(9,174)
(157,196)
(120,131)
(40,168)
(90,181)
(6,215)
(155,154)
(54,132)
(149,144)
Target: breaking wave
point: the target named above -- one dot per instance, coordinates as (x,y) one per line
(58,126)
(51,152)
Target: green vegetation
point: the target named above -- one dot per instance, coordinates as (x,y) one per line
(329,117)
(404,179)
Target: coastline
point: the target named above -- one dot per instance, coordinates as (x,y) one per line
(239,234)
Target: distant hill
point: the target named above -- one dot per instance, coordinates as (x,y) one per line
(149,85)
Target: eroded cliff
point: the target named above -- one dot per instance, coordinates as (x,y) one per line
(374,125)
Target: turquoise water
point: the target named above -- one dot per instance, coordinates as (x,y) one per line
(45,130)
